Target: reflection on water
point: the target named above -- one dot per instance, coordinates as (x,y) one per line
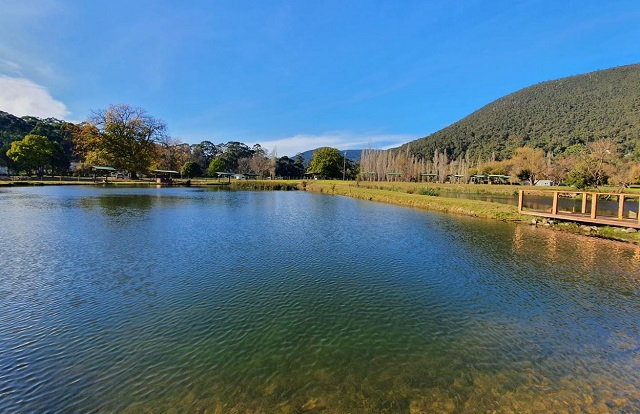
(493,198)
(185,300)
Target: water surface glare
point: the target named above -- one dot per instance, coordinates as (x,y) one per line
(191,300)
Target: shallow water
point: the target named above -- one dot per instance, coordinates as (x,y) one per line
(189,300)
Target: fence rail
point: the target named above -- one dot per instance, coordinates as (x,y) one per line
(612,209)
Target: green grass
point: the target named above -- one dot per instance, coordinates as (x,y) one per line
(404,194)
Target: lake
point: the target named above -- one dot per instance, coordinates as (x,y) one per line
(195,300)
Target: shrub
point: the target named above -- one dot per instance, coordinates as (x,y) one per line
(428,192)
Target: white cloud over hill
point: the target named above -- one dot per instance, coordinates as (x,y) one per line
(20,97)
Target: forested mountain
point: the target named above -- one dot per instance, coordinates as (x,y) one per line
(551,115)
(13,128)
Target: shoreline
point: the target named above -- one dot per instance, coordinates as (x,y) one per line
(407,197)
(423,196)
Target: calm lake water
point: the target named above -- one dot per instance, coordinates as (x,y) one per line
(192,300)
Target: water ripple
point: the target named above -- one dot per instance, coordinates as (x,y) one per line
(152,301)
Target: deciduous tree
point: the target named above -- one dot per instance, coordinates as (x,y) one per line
(191,169)
(125,137)
(36,153)
(216,165)
(596,163)
(529,163)
(327,162)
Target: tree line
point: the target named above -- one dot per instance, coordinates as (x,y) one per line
(130,140)
(593,164)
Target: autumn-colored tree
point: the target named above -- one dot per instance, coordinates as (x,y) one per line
(633,175)
(86,138)
(529,163)
(172,154)
(122,136)
(495,167)
(595,164)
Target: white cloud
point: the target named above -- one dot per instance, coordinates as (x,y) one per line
(20,97)
(341,140)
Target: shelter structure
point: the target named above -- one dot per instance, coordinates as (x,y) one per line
(102,171)
(429,176)
(393,176)
(478,179)
(312,175)
(222,174)
(455,178)
(498,178)
(371,176)
(164,176)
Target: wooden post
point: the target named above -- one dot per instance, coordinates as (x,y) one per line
(584,202)
(554,206)
(594,205)
(621,206)
(521,201)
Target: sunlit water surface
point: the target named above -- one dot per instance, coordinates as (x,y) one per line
(191,300)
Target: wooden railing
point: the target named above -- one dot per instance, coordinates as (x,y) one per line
(632,219)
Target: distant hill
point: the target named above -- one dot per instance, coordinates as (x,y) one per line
(551,115)
(13,128)
(352,154)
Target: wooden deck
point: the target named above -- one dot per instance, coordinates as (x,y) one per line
(589,211)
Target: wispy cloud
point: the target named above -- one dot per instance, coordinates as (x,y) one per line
(10,67)
(20,97)
(342,140)
(29,31)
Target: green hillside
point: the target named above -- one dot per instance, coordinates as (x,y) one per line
(551,115)
(13,128)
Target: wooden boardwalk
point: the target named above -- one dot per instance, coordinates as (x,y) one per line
(549,204)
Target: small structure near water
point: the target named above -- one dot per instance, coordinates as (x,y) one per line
(609,209)
(98,170)
(164,176)
(222,174)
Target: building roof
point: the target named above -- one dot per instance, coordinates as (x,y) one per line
(166,171)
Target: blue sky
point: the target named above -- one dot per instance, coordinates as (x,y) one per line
(296,75)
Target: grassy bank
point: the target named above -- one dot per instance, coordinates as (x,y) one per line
(419,196)
(434,198)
